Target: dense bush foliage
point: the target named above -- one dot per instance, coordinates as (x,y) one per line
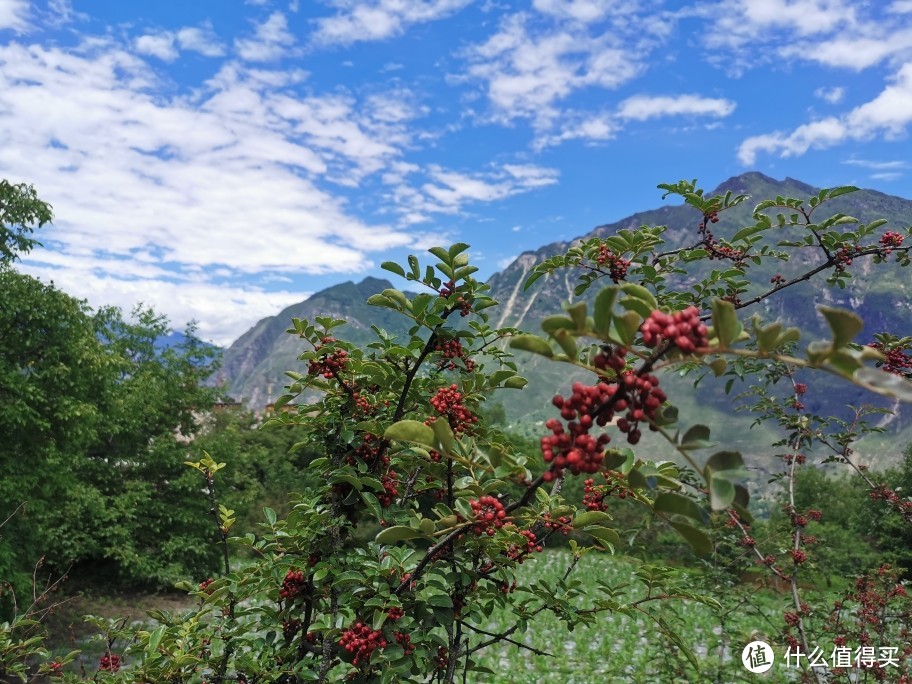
(417,514)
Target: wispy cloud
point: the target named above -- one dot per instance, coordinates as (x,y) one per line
(271,40)
(367,20)
(642,107)
(886,115)
(832,95)
(166,45)
(14,15)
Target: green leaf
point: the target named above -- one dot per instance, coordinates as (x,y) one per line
(551,324)
(567,343)
(844,324)
(627,326)
(697,437)
(718,366)
(884,383)
(701,543)
(640,292)
(427,526)
(725,322)
(393,267)
(444,434)
(723,460)
(411,431)
(610,538)
(270,515)
(532,343)
(721,493)
(603,308)
(516,382)
(397,533)
(578,314)
(589,518)
(680,505)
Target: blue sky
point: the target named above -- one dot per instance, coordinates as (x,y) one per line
(221,159)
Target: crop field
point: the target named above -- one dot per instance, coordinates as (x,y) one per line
(621,648)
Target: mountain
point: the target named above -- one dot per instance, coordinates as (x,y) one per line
(254,366)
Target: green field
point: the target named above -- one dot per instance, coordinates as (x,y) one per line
(623,649)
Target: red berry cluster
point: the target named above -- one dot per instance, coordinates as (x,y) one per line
(295,583)
(448,402)
(55,666)
(577,450)
(206,585)
(900,505)
(362,641)
(362,405)
(617,266)
(395,613)
(896,361)
(489,513)
(109,663)
(507,587)
(404,639)
(561,524)
(290,628)
(843,258)
(390,490)
(451,350)
(714,249)
(799,556)
(777,280)
(594,495)
(328,365)
(800,388)
(442,659)
(800,459)
(447,289)
(889,241)
(642,397)
(682,329)
(372,451)
(518,553)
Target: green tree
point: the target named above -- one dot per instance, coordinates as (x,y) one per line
(96,420)
(21,212)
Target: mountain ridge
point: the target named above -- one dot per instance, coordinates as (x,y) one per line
(255,364)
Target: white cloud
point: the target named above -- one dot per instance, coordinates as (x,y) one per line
(506,261)
(878,165)
(593,128)
(527,72)
(832,95)
(366,20)
(887,115)
(159,45)
(222,311)
(447,192)
(579,10)
(271,40)
(228,180)
(866,47)
(166,45)
(741,23)
(13,15)
(900,7)
(642,107)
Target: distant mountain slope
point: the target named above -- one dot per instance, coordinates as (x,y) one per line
(253,367)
